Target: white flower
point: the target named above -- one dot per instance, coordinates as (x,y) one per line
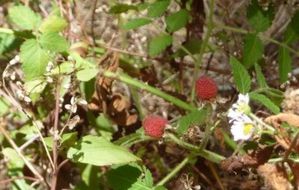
(239,108)
(242,128)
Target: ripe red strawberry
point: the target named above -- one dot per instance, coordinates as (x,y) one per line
(206,88)
(154,126)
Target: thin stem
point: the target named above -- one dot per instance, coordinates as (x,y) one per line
(203,46)
(55,138)
(258,120)
(133,82)
(17,149)
(6,93)
(174,171)
(211,156)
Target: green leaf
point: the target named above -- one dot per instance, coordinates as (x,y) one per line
(196,117)
(241,76)
(157,8)
(292,31)
(122,8)
(260,77)
(87,74)
(177,20)
(253,50)
(34,59)
(135,23)
(126,178)
(264,100)
(100,152)
(35,86)
(53,23)
(159,43)
(67,140)
(14,160)
(192,45)
(6,40)
(258,18)
(284,64)
(53,42)
(24,17)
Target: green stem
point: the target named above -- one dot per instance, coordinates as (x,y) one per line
(258,120)
(174,171)
(136,83)
(211,156)
(203,46)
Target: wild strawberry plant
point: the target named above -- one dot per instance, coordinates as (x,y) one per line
(159,94)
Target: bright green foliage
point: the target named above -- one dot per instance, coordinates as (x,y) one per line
(35,86)
(158,8)
(135,23)
(53,42)
(258,18)
(86,70)
(128,177)
(122,8)
(196,117)
(67,140)
(241,76)
(260,77)
(264,100)
(24,17)
(53,23)
(177,20)
(253,50)
(34,59)
(285,63)
(159,43)
(4,106)
(100,152)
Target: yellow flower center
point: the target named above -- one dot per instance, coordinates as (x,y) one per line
(247,128)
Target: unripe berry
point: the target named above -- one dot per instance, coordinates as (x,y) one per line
(154,126)
(206,88)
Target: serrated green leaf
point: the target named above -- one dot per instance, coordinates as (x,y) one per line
(24,17)
(34,59)
(100,152)
(122,8)
(196,117)
(177,20)
(260,77)
(264,100)
(258,18)
(126,178)
(253,50)
(53,42)
(135,23)
(53,23)
(284,64)
(159,43)
(241,76)
(157,8)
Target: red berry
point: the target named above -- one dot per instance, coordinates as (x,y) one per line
(154,126)
(206,88)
